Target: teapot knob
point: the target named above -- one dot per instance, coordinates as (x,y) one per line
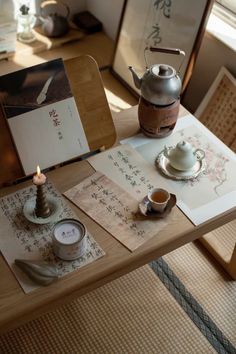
(184,146)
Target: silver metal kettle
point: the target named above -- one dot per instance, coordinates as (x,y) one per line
(160,84)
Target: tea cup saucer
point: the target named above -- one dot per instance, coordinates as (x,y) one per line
(146,210)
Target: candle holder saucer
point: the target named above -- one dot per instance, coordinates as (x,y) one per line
(54,205)
(163,164)
(145,210)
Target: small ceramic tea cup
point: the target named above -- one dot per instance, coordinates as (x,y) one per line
(158,199)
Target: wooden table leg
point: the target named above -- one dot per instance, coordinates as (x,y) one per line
(220,252)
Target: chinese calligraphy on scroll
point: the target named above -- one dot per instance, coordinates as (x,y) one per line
(114,209)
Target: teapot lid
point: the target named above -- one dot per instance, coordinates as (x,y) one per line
(163,71)
(184,146)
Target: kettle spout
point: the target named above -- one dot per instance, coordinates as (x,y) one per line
(137,80)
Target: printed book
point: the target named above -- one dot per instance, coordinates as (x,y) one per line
(42,115)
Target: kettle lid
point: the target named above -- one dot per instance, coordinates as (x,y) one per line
(163,71)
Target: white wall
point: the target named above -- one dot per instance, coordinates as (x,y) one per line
(7,8)
(76,6)
(108,12)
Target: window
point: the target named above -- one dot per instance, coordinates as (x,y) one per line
(229,5)
(226,10)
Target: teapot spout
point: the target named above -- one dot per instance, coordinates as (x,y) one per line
(137,80)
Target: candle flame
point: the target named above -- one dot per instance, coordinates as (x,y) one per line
(38,171)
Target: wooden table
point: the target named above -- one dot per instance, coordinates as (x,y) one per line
(17,307)
(90,45)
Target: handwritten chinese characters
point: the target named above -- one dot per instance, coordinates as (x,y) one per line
(131,172)
(160,7)
(128,169)
(30,241)
(113,208)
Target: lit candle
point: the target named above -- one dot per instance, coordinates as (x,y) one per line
(42,208)
(39,179)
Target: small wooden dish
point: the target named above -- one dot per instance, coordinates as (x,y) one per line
(145,210)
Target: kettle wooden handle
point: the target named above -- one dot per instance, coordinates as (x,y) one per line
(174,51)
(54,2)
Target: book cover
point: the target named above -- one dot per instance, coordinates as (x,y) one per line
(42,115)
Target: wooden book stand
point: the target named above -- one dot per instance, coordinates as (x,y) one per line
(87,87)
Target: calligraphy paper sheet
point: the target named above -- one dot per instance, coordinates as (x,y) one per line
(209,194)
(126,167)
(113,208)
(24,240)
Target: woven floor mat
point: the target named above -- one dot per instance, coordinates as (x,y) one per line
(208,283)
(133,314)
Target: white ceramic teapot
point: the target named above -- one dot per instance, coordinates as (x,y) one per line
(183,157)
